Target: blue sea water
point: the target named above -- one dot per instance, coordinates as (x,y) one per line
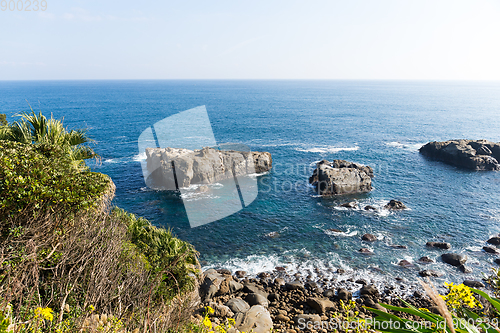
(381,124)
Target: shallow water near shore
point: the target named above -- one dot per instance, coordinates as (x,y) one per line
(381,124)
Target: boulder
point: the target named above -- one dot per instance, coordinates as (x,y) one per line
(252,288)
(425,260)
(468,154)
(473,284)
(397,246)
(256,320)
(430,272)
(344,295)
(235,286)
(454,259)
(369,237)
(257,299)
(491,249)
(369,290)
(203,166)
(395,205)
(497,261)
(221,310)
(237,305)
(211,284)
(439,245)
(352,204)
(320,304)
(341,177)
(465,269)
(494,240)
(370,208)
(294,285)
(240,274)
(365,250)
(406,264)
(282,318)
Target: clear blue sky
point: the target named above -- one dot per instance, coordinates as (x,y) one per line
(420,39)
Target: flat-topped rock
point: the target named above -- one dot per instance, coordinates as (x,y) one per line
(341,177)
(469,154)
(172,168)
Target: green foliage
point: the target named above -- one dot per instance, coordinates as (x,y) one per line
(171,259)
(463,319)
(3,120)
(494,281)
(36,129)
(42,176)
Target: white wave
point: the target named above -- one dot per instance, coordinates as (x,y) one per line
(327,149)
(348,233)
(255,175)
(405,145)
(140,157)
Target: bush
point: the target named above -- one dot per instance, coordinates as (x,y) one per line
(65,253)
(42,177)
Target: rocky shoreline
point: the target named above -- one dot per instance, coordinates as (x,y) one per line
(285,302)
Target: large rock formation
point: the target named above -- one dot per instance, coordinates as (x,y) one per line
(469,154)
(341,177)
(173,168)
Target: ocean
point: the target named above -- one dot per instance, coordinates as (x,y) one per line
(377,123)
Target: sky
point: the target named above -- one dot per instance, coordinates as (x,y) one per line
(315,39)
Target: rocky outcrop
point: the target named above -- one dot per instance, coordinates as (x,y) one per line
(469,154)
(173,168)
(341,177)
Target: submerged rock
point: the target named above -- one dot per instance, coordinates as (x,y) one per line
(395,205)
(439,245)
(469,154)
(454,259)
(341,177)
(473,284)
(430,273)
(365,250)
(352,205)
(369,207)
(425,260)
(369,237)
(491,249)
(494,240)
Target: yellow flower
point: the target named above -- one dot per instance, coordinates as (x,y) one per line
(207,322)
(44,313)
(210,310)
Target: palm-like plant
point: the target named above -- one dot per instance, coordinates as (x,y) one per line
(35,128)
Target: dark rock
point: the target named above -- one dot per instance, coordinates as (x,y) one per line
(406,264)
(469,154)
(439,245)
(395,246)
(370,208)
(395,205)
(425,260)
(224,271)
(454,259)
(473,284)
(273,297)
(340,271)
(362,282)
(329,293)
(294,285)
(240,274)
(369,290)
(491,249)
(343,294)
(257,299)
(365,250)
(494,240)
(465,269)
(263,275)
(341,177)
(352,204)
(430,272)
(335,230)
(251,288)
(320,304)
(237,305)
(280,269)
(369,238)
(497,261)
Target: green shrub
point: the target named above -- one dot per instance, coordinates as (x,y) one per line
(42,177)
